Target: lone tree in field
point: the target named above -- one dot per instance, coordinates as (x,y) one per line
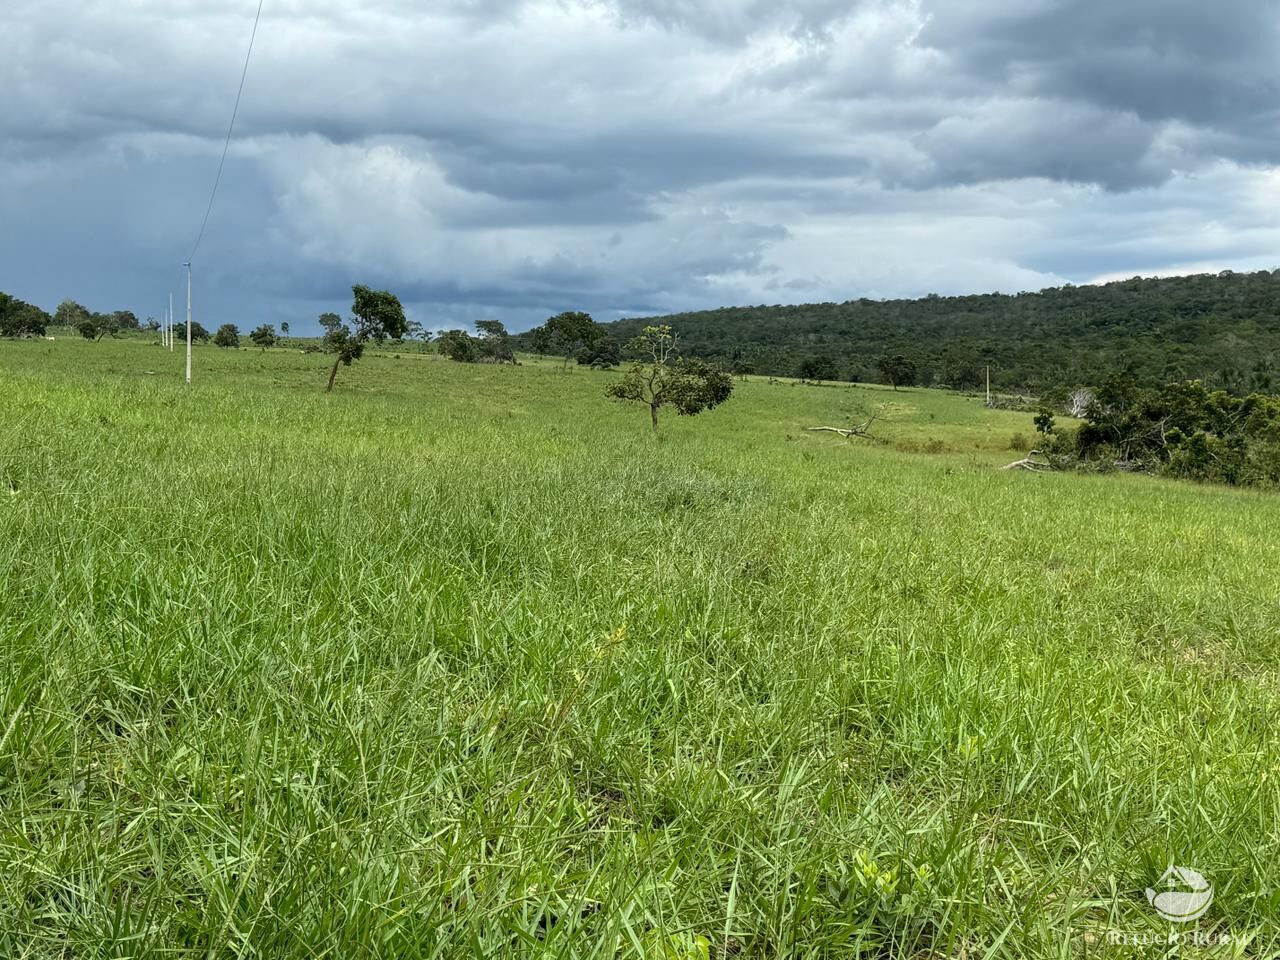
(227,336)
(900,371)
(330,322)
(818,368)
(566,334)
(669,380)
(264,336)
(284,329)
(95,326)
(495,343)
(376,314)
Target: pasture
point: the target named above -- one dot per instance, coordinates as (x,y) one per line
(460,660)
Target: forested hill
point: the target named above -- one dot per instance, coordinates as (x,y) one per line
(1220,328)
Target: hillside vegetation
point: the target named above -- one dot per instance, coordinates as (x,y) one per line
(1222,329)
(460,660)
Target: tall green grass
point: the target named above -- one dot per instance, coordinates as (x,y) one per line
(460,661)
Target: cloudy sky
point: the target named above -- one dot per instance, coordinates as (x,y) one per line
(514,159)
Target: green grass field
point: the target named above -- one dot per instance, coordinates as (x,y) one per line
(461,661)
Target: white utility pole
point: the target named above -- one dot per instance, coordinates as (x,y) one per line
(188,266)
(170,322)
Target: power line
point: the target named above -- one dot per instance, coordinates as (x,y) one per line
(230,130)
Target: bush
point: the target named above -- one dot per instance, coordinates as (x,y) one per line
(227,336)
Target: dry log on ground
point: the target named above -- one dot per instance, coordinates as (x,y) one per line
(1028,463)
(862,430)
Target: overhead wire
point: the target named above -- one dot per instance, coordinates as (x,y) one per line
(226,146)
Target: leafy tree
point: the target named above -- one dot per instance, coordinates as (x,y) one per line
(284,328)
(152,325)
(264,336)
(539,340)
(227,336)
(458,345)
(900,371)
(330,322)
(667,379)
(376,315)
(567,333)
(198,333)
(415,331)
(961,369)
(21,319)
(95,326)
(818,368)
(494,343)
(1044,420)
(604,355)
(70,314)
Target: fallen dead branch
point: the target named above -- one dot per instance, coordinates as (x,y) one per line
(1029,463)
(862,430)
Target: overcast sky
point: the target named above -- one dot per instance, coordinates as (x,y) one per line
(515,159)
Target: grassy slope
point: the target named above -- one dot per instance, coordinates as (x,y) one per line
(427,666)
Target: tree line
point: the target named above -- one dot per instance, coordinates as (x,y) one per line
(21,319)
(1221,329)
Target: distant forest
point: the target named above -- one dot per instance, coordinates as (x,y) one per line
(1222,329)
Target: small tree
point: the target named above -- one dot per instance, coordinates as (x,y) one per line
(126,320)
(900,371)
(227,336)
(567,333)
(818,368)
(603,356)
(264,336)
(458,345)
(494,343)
(330,322)
(284,329)
(376,315)
(1044,420)
(95,326)
(666,379)
(71,314)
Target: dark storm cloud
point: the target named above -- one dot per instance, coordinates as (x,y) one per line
(1211,64)
(524,156)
